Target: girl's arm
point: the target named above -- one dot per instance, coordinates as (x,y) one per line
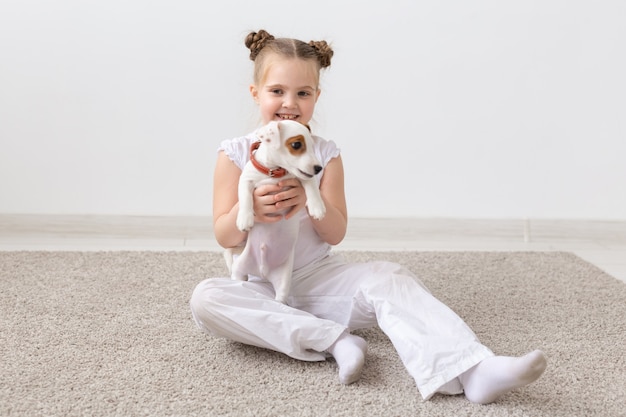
(225,202)
(332,228)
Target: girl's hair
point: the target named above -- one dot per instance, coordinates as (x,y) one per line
(261,44)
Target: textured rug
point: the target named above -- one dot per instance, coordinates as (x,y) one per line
(110,334)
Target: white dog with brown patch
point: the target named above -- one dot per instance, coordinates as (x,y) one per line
(284,150)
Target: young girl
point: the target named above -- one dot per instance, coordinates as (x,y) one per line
(330,297)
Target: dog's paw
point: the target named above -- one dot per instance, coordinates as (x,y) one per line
(317,211)
(245,221)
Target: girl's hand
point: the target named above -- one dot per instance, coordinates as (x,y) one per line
(272,202)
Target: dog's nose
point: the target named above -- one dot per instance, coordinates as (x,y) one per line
(317,169)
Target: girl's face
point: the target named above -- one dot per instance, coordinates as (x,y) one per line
(289,90)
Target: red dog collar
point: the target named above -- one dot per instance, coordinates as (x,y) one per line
(271,172)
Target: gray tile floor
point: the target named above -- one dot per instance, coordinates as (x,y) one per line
(602,243)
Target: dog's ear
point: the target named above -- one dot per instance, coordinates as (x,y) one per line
(272,134)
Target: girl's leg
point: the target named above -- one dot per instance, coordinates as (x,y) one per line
(434,343)
(247,312)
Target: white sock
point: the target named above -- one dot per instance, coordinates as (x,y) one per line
(497,375)
(349,352)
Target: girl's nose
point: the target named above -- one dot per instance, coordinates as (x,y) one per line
(289,102)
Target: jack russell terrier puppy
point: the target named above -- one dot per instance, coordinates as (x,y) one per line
(284,150)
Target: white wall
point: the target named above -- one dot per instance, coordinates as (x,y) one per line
(447,108)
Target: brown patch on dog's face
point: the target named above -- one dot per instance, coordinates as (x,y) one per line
(296,145)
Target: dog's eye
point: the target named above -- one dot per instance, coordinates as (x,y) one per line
(296,145)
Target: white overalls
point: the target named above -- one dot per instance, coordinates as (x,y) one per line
(329,296)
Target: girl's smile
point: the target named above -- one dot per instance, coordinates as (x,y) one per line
(283,116)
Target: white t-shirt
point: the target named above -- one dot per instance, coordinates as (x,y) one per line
(309,246)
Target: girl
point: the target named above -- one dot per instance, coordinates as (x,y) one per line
(330,297)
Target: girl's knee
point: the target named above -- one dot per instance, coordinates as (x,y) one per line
(388,268)
(200,292)
(393,275)
(203,299)
(392,270)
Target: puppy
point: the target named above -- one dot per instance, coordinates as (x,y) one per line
(285,150)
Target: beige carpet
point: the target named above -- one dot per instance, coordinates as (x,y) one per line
(110,334)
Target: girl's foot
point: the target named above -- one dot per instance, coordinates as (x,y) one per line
(349,352)
(497,375)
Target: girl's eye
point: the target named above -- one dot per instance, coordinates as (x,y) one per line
(304,93)
(277,91)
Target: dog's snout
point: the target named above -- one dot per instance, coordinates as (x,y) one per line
(317,169)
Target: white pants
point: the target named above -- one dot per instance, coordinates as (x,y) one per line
(331,296)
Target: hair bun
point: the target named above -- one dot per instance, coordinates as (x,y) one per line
(255,41)
(324,52)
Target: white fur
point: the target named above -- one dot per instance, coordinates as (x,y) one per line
(269,249)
